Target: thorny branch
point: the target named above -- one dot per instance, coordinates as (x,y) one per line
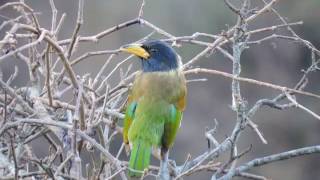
(40,110)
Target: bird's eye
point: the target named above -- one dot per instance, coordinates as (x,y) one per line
(146,47)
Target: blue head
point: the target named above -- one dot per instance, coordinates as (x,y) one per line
(155,56)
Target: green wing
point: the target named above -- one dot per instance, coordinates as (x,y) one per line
(129,116)
(171,127)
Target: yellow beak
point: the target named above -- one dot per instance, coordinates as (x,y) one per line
(136,49)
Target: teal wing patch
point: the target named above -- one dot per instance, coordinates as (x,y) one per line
(131,109)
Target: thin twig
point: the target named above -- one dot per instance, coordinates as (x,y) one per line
(48,75)
(272,158)
(251,81)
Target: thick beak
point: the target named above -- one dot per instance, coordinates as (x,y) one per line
(136,49)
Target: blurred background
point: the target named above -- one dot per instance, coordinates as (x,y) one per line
(277,61)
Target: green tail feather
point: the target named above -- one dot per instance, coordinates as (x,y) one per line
(139,158)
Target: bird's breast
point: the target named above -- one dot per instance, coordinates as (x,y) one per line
(159,85)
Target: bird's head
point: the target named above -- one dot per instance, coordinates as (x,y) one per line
(155,56)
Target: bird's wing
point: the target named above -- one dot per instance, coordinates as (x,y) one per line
(173,124)
(129,116)
(130,112)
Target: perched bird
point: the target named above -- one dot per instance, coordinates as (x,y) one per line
(155,103)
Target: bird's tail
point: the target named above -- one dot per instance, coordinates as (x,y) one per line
(139,158)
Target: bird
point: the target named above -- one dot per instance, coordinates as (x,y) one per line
(155,104)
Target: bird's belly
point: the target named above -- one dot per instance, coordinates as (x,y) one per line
(150,117)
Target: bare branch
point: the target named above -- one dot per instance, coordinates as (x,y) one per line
(252,81)
(272,158)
